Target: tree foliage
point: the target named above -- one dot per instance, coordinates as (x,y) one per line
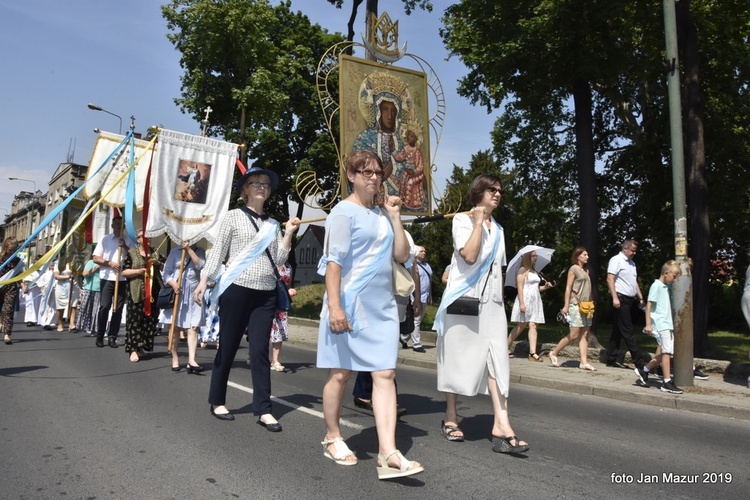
(538,61)
(254,64)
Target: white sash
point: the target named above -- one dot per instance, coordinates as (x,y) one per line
(243,260)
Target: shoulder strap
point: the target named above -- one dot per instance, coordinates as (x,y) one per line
(268,252)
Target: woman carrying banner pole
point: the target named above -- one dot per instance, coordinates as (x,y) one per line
(246,292)
(359,326)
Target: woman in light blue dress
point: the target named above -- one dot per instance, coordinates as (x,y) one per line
(359,326)
(189,314)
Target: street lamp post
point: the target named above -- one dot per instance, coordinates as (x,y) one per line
(99,108)
(25,180)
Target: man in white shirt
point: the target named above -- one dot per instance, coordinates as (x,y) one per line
(425,297)
(622,282)
(109,255)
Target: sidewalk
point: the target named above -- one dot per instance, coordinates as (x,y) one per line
(722,395)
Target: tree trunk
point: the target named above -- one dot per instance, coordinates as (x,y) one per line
(589,208)
(697,187)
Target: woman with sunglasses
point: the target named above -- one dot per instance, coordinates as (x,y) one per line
(245,294)
(359,326)
(472,352)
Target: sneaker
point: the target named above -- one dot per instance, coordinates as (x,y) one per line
(642,375)
(670,388)
(699,375)
(418,348)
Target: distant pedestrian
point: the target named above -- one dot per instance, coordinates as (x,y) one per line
(90,299)
(32,296)
(9,292)
(622,282)
(660,326)
(280,325)
(424,294)
(577,290)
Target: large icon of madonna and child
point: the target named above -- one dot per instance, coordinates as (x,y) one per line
(384,110)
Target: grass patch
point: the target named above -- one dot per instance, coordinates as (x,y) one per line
(727,345)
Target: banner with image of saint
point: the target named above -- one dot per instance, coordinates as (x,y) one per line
(191,186)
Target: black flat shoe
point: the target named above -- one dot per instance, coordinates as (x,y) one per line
(99,343)
(176,368)
(47,327)
(275,427)
(30,324)
(221,416)
(193,369)
(113,342)
(361,403)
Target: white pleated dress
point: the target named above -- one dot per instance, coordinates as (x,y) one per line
(474,346)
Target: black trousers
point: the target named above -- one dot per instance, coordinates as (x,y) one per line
(241,308)
(622,329)
(105,304)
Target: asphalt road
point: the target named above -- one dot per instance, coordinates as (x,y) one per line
(78,421)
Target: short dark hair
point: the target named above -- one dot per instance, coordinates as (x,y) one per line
(629,244)
(479,185)
(358,160)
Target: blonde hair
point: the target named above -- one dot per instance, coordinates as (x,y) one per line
(671,265)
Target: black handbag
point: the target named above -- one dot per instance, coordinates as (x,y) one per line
(468,306)
(165,298)
(407,325)
(464,306)
(283,299)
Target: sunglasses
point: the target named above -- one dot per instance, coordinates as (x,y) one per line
(368,172)
(495,190)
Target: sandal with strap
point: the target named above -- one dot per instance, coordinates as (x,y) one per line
(504,445)
(405,468)
(449,431)
(535,357)
(278,367)
(340,451)
(553,360)
(587,368)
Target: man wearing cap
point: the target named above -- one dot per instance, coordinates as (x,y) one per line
(622,281)
(108,255)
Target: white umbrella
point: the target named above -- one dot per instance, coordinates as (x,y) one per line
(543,257)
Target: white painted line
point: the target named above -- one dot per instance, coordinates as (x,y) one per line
(293,406)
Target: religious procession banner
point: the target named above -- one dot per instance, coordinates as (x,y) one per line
(101,180)
(191,186)
(384,109)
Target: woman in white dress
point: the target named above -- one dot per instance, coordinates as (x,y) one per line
(189,314)
(472,350)
(359,328)
(527,308)
(32,296)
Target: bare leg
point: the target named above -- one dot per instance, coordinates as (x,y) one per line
(515,332)
(276,350)
(175,353)
(384,410)
(451,413)
(583,344)
(333,395)
(192,342)
(501,426)
(532,339)
(60,313)
(72,321)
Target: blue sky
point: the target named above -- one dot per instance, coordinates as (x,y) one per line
(58,56)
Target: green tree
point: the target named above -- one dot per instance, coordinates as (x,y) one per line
(255,65)
(582,84)
(372,7)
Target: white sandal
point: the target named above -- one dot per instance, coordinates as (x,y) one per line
(587,368)
(340,451)
(278,367)
(406,468)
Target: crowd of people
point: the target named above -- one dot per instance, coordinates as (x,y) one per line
(233,294)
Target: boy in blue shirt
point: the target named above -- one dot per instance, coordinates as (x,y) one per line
(659,325)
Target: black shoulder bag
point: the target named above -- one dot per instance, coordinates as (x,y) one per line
(468,306)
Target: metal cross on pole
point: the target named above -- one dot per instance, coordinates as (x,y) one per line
(205,120)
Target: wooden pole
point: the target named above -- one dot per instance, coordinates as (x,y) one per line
(177,300)
(119,271)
